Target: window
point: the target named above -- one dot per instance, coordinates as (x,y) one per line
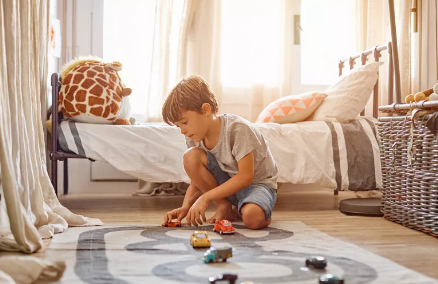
(128,31)
(252,42)
(328,24)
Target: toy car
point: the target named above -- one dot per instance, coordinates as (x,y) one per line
(231,278)
(317,262)
(217,255)
(172,224)
(223,227)
(330,279)
(200,239)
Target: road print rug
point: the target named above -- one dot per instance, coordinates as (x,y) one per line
(154,254)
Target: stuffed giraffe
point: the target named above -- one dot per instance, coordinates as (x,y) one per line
(92,92)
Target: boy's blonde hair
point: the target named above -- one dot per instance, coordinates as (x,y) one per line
(189,94)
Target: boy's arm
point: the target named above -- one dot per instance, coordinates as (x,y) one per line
(192,194)
(241,180)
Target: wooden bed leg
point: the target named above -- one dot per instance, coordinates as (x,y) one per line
(55,175)
(336,192)
(65,177)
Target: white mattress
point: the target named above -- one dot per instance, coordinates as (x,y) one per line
(332,155)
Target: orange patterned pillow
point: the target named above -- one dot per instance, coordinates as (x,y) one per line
(293,108)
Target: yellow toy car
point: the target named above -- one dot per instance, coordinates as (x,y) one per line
(200,239)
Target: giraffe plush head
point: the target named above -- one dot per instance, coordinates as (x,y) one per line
(92,92)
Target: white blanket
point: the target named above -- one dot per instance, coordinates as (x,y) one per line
(332,155)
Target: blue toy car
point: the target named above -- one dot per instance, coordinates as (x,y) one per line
(330,279)
(217,255)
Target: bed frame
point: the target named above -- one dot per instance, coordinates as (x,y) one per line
(56,154)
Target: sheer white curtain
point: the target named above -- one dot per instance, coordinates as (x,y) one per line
(243,48)
(29,208)
(374,29)
(329,34)
(204,37)
(169,54)
(240,47)
(129,40)
(153,52)
(255,54)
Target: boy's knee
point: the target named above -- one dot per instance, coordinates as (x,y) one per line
(194,157)
(253,217)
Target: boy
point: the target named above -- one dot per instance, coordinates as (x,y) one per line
(228,160)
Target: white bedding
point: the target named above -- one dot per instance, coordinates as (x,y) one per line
(332,155)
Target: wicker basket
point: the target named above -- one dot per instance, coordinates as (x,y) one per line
(409,155)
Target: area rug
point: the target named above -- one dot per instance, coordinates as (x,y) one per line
(154,254)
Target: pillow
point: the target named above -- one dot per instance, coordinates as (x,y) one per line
(349,96)
(293,108)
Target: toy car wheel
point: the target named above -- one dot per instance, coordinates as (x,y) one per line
(221,232)
(179,225)
(166,225)
(210,261)
(224,260)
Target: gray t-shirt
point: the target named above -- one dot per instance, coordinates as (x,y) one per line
(238,138)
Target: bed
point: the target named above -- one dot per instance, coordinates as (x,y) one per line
(339,156)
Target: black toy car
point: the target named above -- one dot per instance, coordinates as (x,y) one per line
(330,279)
(231,278)
(318,262)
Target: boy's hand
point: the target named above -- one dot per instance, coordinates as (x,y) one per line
(196,211)
(178,214)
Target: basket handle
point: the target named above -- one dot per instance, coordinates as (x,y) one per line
(414,113)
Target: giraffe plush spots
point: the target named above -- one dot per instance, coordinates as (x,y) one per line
(92,92)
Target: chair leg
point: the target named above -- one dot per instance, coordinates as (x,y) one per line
(65,176)
(55,175)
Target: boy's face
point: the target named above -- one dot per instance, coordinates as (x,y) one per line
(193,125)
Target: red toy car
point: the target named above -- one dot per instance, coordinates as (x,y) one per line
(223,227)
(172,224)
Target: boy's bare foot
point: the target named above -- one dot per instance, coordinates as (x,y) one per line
(225,212)
(235,215)
(222,213)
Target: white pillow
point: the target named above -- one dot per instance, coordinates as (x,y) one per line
(348,97)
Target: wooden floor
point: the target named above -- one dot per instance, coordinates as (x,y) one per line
(315,207)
